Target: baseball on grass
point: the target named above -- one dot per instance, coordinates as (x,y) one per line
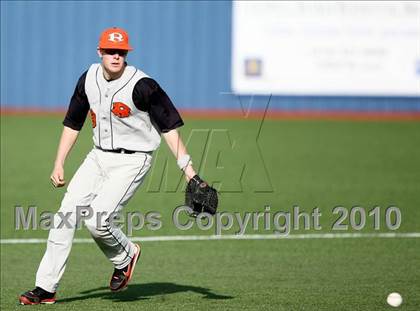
(394,299)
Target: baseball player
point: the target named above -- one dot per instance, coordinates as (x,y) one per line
(130,112)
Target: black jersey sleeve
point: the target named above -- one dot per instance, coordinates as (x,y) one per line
(78,107)
(150,97)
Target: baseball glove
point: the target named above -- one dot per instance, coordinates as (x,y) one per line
(201,197)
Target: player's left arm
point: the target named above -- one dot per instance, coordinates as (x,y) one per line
(199,196)
(177,146)
(148,95)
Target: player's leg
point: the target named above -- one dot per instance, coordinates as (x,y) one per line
(126,173)
(80,192)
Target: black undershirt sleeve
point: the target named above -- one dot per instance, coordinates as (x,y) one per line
(79,106)
(148,96)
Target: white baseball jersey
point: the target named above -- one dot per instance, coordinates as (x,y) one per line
(132,130)
(127,113)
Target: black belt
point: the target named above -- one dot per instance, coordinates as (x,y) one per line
(118,150)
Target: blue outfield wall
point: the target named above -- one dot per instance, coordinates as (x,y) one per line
(184,45)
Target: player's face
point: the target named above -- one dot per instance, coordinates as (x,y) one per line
(113,60)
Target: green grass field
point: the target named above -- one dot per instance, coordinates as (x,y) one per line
(282,164)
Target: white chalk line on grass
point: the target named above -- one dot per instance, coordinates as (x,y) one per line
(238,237)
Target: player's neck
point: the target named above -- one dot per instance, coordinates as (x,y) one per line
(109,76)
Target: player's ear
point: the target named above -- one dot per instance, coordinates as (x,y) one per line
(98,50)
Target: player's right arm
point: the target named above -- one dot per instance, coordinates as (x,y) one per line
(67,140)
(73,123)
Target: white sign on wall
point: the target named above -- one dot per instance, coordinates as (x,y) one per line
(326,48)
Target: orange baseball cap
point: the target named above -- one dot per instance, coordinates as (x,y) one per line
(114,38)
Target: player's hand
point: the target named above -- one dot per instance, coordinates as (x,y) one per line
(57,177)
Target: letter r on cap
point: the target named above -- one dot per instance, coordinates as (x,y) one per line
(115,36)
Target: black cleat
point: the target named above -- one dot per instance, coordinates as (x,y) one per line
(36,297)
(121,277)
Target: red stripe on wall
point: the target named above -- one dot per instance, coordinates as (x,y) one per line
(254,114)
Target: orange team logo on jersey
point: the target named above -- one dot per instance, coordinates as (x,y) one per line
(121,110)
(93,117)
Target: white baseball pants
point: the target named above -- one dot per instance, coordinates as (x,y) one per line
(105,181)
